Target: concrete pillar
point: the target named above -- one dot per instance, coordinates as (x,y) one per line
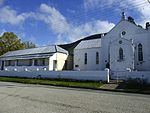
(15,63)
(32,62)
(108,74)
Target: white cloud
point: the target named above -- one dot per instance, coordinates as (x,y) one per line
(53,18)
(65,31)
(94,4)
(144,10)
(8,15)
(90,28)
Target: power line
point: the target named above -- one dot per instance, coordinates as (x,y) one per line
(104,14)
(107,11)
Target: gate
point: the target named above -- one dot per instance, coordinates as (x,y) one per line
(119,75)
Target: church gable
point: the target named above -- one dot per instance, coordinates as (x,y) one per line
(124,27)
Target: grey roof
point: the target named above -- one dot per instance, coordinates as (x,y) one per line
(94,43)
(35,52)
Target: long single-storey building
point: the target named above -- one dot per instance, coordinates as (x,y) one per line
(41,58)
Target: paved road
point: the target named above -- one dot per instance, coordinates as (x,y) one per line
(21,98)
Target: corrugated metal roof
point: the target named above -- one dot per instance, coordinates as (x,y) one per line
(34,51)
(89,44)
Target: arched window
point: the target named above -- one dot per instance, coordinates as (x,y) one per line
(85,58)
(140,52)
(120,54)
(97,58)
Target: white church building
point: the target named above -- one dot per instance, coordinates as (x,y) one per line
(124,47)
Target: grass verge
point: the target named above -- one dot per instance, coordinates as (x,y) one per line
(55,82)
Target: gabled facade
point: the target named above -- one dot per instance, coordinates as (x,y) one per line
(129,41)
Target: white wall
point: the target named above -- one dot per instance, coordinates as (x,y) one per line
(23,68)
(137,34)
(60,58)
(77,75)
(128,55)
(79,56)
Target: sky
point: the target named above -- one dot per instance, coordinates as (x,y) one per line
(48,22)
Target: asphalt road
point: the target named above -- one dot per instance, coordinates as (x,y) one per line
(21,98)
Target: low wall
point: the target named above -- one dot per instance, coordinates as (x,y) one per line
(77,75)
(124,75)
(24,68)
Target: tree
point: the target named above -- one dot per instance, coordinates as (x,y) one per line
(10,42)
(29,44)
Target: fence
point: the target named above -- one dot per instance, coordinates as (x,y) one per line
(124,75)
(76,75)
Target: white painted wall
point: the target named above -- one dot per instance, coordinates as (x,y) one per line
(25,68)
(137,34)
(128,55)
(76,75)
(60,58)
(79,56)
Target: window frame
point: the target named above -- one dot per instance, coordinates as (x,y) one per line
(140,52)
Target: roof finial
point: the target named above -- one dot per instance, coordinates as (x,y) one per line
(122,16)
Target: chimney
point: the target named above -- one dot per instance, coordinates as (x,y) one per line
(147,25)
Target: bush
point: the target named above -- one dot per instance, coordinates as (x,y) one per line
(136,83)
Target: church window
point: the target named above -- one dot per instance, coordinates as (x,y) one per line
(120,54)
(140,52)
(97,58)
(123,33)
(85,58)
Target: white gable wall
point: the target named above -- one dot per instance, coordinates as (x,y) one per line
(79,57)
(137,34)
(59,59)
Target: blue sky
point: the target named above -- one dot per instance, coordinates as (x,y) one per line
(47,22)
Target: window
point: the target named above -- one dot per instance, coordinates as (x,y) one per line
(41,62)
(140,52)
(85,58)
(35,62)
(120,54)
(10,63)
(25,62)
(97,58)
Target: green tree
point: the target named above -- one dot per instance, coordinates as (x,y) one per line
(29,44)
(10,42)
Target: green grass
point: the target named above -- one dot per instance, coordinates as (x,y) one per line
(55,82)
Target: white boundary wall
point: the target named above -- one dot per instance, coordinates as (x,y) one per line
(76,75)
(124,75)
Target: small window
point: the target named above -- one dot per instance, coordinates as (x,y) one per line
(43,62)
(30,62)
(35,62)
(120,54)
(85,58)
(76,65)
(97,58)
(140,52)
